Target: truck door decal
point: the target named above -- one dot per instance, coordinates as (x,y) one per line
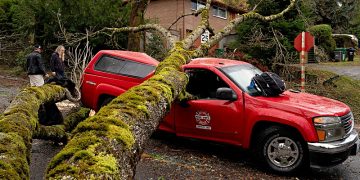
(203,120)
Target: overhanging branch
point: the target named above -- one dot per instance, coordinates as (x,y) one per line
(164,32)
(228,28)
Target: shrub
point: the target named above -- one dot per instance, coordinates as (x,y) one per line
(323,38)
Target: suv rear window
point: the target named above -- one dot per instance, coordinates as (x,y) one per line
(124,67)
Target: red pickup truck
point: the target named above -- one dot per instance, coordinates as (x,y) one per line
(286,133)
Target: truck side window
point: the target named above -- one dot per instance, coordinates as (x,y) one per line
(123,67)
(203,83)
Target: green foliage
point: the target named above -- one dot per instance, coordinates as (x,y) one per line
(155,47)
(256,38)
(339,14)
(323,37)
(36,22)
(321,31)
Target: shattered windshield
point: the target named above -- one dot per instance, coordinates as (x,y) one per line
(242,75)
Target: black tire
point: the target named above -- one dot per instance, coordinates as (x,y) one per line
(281,150)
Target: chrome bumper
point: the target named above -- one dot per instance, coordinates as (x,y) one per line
(351,143)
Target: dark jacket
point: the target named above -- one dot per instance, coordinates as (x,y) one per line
(34,64)
(56,64)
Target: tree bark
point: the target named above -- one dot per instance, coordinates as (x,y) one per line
(17,126)
(137,13)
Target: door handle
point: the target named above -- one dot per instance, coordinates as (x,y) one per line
(91,83)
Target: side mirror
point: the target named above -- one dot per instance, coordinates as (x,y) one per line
(226,94)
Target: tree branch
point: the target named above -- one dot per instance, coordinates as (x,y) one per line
(196,13)
(204,23)
(227,29)
(164,32)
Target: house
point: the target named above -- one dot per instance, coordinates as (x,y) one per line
(166,12)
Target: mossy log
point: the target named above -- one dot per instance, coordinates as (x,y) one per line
(108,145)
(60,133)
(18,124)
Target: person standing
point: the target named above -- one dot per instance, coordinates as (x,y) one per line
(35,67)
(57,62)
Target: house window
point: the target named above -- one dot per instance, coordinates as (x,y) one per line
(219,12)
(196,5)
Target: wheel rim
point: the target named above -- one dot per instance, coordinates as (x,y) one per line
(283,152)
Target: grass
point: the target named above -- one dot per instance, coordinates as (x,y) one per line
(12,71)
(343,89)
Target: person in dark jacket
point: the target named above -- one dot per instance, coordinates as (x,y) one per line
(57,62)
(35,67)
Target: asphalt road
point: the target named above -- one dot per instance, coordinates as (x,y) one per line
(169,157)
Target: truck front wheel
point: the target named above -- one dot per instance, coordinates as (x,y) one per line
(281,150)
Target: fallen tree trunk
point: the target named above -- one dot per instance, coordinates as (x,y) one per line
(108,145)
(17,126)
(60,133)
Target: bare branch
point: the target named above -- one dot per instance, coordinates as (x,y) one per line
(62,28)
(196,13)
(257,5)
(164,32)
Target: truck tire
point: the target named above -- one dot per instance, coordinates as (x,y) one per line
(281,149)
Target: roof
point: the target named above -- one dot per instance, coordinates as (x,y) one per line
(216,62)
(131,55)
(353,38)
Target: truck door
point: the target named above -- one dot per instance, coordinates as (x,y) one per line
(207,117)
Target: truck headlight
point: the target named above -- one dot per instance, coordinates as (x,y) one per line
(329,128)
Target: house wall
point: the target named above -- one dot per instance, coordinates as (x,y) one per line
(165,12)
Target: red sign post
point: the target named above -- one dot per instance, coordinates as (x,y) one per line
(303,43)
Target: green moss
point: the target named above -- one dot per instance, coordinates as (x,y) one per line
(105,163)
(74,118)
(80,142)
(55,133)
(121,134)
(13,160)
(17,126)
(89,156)
(178,57)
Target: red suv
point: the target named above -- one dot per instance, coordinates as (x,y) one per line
(287,132)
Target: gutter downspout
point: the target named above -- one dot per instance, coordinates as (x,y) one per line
(183,31)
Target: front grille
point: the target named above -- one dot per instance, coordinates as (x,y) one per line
(347,122)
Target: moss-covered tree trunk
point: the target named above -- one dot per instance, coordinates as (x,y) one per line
(108,145)
(19,124)
(17,127)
